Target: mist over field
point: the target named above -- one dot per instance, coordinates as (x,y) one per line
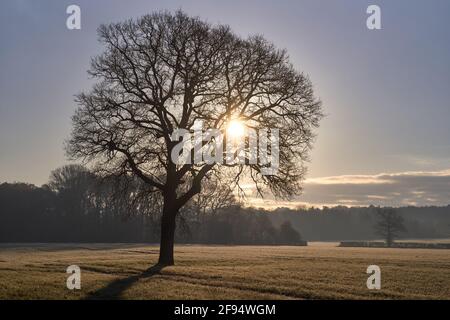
(33,214)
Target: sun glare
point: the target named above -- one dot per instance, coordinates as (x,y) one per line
(236,129)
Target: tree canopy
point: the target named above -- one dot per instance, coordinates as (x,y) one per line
(163,72)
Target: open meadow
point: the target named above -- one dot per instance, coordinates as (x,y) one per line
(318,271)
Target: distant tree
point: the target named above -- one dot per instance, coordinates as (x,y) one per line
(72,184)
(389,224)
(287,234)
(214,197)
(164,72)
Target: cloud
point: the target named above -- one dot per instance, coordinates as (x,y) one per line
(386,189)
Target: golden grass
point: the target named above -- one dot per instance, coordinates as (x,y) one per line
(223,272)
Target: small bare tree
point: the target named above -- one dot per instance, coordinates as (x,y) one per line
(389,224)
(163,72)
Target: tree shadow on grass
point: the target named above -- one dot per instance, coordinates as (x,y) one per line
(115,289)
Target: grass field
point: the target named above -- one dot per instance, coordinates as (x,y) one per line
(319,271)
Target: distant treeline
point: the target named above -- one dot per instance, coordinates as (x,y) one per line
(357,223)
(75,206)
(38,214)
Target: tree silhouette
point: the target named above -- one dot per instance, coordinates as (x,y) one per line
(389,224)
(72,183)
(163,72)
(288,235)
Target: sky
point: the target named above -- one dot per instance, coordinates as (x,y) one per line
(385,139)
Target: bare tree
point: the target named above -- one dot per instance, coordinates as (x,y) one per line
(69,177)
(73,184)
(288,235)
(163,72)
(214,197)
(389,224)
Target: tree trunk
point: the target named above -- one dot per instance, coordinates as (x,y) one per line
(389,237)
(389,240)
(167,236)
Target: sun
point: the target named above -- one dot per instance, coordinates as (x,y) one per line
(236,129)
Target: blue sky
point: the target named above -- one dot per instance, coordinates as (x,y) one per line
(385,92)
